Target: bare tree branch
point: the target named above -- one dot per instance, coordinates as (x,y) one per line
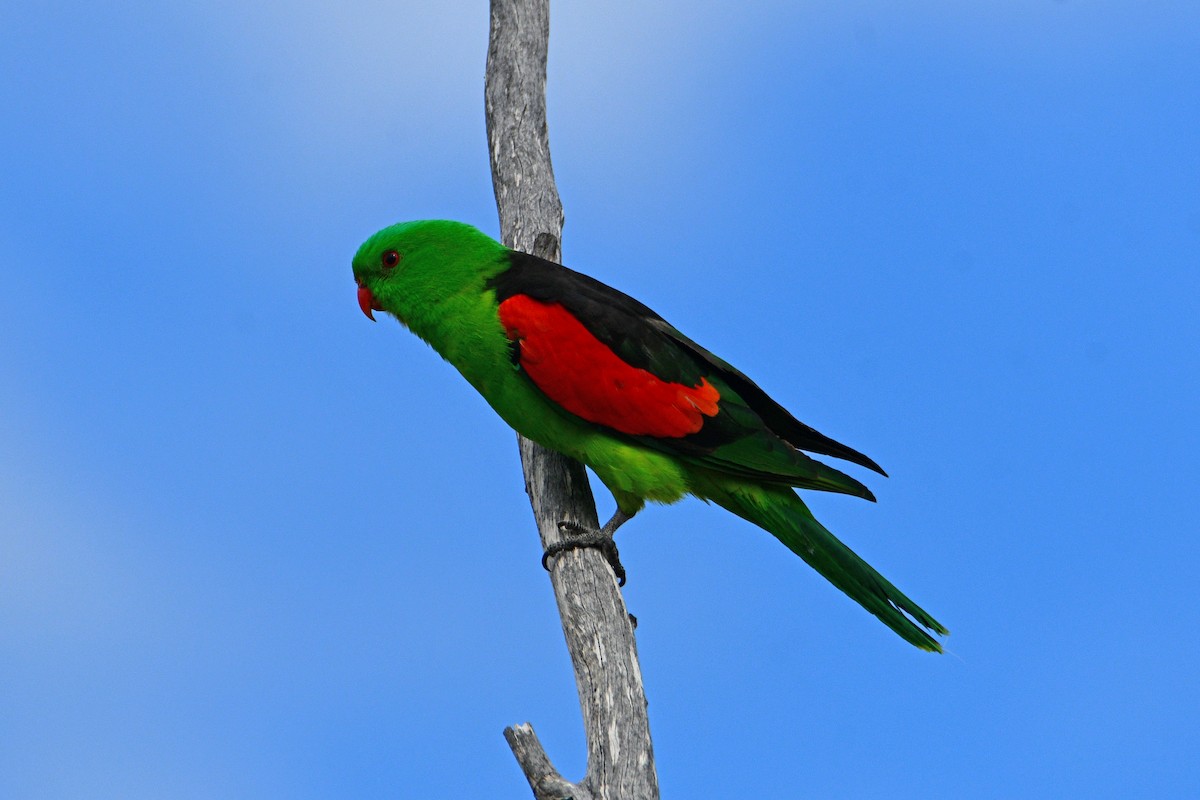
(596,624)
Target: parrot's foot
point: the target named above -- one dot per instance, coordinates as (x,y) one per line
(583,536)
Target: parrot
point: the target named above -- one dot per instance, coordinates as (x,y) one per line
(588,371)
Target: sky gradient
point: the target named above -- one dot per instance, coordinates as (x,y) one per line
(253,546)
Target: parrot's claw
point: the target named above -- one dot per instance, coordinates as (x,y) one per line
(578,535)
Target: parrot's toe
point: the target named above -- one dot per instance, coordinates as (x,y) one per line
(576,535)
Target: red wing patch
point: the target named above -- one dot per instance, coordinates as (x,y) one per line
(580,373)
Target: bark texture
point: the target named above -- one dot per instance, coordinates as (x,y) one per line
(597,627)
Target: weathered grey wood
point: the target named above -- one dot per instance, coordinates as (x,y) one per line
(542,776)
(597,627)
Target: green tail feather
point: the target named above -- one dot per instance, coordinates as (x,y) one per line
(780,511)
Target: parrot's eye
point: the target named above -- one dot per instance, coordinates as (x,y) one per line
(390,259)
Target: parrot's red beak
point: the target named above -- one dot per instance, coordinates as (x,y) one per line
(366,301)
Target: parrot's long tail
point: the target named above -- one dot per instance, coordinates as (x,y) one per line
(781,511)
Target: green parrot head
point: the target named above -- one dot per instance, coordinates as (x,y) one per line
(411,268)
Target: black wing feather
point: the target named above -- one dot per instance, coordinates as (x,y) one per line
(646,341)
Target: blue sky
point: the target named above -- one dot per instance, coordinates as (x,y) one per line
(253,546)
